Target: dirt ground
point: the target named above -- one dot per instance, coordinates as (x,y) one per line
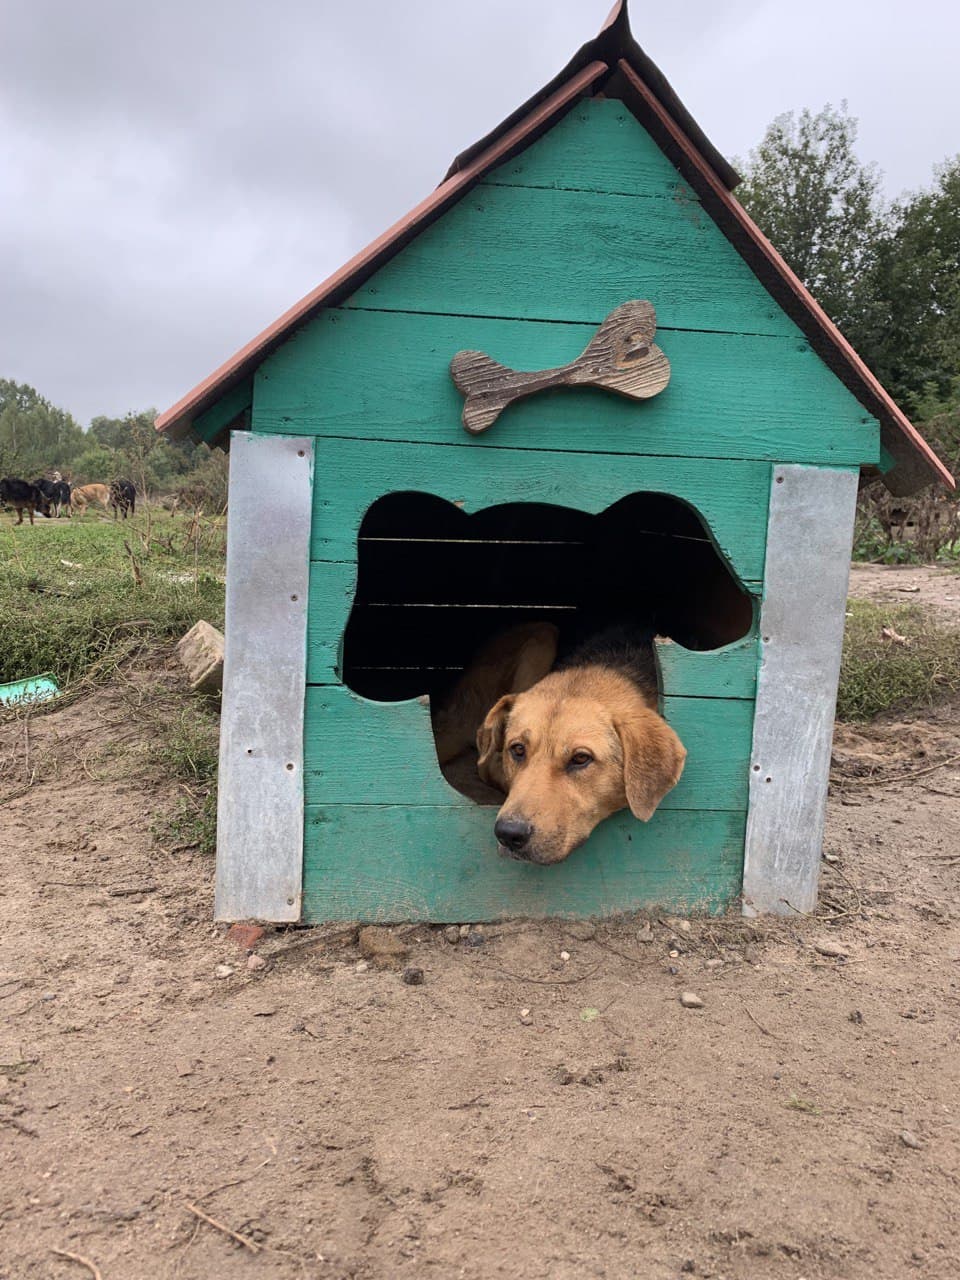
(518,1114)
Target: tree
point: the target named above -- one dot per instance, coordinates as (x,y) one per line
(35,436)
(144,452)
(820,206)
(913,330)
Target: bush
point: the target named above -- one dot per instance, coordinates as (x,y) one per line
(895,657)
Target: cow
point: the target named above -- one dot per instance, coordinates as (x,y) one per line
(56,492)
(123,497)
(23,496)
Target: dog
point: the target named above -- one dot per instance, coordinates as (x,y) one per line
(123,497)
(87,493)
(56,492)
(23,496)
(569,743)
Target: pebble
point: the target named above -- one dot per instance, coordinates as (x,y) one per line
(525,1017)
(452,934)
(911,1140)
(564,956)
(361,966)
(674,944)
(673,954)
(829,948)
(381,946)
(684,926)
(224,970)
(690,1000)
(645,934)
(412,976)
(255,962)
(751,955)
(464,931)
(714,963)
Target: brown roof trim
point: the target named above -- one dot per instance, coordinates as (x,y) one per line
(350,276)
(916,463)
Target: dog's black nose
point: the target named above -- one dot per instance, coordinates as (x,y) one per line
(513,833)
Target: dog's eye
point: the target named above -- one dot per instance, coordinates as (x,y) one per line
(518,751)
(580,759)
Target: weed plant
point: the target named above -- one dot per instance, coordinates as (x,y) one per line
(915,664)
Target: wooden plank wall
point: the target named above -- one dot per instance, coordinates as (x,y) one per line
(525,268)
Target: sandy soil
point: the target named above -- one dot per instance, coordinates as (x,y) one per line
(518,1114)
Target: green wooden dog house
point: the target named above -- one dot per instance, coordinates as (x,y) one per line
(370,537)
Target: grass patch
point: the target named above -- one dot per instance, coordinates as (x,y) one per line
(188,750)
(70,596)
(916,663)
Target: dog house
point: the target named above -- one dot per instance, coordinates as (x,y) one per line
(373,541)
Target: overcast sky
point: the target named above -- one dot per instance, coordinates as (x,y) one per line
(173,176)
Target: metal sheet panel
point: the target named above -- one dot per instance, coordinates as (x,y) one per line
(809,537)
(260,806)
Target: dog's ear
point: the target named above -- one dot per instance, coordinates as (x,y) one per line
(653,759)
(535,656)
(490,742)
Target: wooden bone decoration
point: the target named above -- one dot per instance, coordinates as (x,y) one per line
(621,357)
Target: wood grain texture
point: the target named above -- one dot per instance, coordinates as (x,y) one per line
(731,496)
(540,254)
(730,672)
(382,862)
(385,375)
(360,752)
(598,146)
(620,357)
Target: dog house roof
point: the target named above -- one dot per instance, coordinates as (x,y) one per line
(612,64)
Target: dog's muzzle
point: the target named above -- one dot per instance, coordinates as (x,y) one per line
(513,836)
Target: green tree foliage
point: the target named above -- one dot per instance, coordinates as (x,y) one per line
(37,438)
(34,435)
(151,460)
(820,206)
(914,324)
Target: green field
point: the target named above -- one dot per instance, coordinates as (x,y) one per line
(79,595)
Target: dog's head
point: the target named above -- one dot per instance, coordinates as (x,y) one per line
(569,752)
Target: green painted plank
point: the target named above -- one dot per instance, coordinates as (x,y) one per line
(730,672)
(539,254)
(387,375)
(598,146)
(361,752)
(225,410)
(381,862)
(731,496)
(332,587)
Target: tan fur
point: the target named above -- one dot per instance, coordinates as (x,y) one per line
(88,493)
(509,663)
(634,756)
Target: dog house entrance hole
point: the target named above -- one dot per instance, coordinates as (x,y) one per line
(434,583)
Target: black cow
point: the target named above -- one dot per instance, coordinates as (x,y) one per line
(57,494)
(24,496)
(123,497)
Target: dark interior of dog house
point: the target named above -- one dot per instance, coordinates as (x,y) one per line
(435,583)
